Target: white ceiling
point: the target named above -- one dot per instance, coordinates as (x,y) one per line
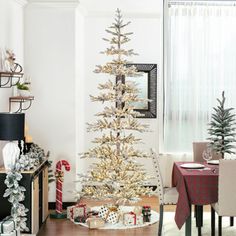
(126,5)
(130,6)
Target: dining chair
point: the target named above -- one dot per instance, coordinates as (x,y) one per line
(167,196)
(198,148)
(226,205)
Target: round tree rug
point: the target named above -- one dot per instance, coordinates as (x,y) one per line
(119,225)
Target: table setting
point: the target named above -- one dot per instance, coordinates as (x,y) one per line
(197,184)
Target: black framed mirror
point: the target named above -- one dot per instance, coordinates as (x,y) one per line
(147,83)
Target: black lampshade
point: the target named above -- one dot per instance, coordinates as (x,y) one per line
(12,126)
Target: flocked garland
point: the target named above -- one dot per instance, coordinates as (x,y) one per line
(14,191)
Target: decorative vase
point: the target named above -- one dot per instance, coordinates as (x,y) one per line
(10,153)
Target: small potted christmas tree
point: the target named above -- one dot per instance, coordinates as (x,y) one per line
(222,129)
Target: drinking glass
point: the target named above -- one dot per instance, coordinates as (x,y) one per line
(206,155)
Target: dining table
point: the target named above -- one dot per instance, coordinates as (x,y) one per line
(196,186)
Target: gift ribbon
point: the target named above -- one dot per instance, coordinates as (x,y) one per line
(135,217)
(72,213)
(112,208)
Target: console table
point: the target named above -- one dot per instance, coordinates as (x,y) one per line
(36,196)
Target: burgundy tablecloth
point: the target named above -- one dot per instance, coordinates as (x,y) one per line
(194,187)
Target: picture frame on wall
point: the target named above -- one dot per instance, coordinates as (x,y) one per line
(147,84)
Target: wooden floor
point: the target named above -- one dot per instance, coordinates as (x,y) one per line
(66,228)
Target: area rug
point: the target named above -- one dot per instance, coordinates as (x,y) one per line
(170,228)
(120,225)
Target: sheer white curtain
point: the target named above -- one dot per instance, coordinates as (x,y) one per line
(201,63)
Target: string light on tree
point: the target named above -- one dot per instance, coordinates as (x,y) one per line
(117,176)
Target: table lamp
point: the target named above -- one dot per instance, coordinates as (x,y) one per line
(11,129)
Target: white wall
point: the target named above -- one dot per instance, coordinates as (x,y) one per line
(50,60)
(11,37)
(60,51)
(146,41)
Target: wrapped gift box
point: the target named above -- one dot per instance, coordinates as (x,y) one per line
(137,210)
(147,217)
(95,222)
(146,210)
(7,225)
(103,212)
(79,210)
(130,218)
(113,217)
(109,213)
(13,233)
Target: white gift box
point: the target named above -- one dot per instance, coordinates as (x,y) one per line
(7,225)
(131,218)
(69,212)
(80,210)
(113,217)
(13,233)
(76,211)
(103,212)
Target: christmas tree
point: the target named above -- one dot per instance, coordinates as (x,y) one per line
(117,176)
(222,129)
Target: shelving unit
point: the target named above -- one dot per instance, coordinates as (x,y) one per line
(9,79)
(21,100)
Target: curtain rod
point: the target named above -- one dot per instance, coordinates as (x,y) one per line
(202,3)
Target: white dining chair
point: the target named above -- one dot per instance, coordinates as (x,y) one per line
(167,196)
(226,205)
(198,148)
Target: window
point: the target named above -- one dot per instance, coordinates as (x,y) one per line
(200,64)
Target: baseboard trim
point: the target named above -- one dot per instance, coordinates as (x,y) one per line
(52,205)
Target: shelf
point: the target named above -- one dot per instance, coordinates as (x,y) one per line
(9,79)
(20,100)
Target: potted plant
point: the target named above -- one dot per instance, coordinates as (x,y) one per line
(222,129)
(23,89)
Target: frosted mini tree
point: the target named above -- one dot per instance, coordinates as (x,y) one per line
(117,176)
(222,129)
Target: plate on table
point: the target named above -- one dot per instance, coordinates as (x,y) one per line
(213,162)
(192,166)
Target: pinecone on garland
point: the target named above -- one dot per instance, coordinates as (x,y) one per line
(222,129)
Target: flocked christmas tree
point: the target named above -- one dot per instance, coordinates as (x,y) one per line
(116,176)
(222,129)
